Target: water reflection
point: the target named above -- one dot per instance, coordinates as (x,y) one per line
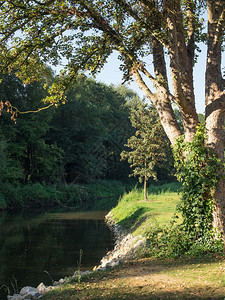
(33,244)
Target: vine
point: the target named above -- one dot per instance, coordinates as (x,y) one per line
(199,171)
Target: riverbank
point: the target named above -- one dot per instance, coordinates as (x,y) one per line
(186,277)
(98,195)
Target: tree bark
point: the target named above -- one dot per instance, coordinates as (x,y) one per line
(215,100)
(181,65)
(145,188)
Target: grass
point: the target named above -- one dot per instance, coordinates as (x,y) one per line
(201,277)
(138,216)
(196,278)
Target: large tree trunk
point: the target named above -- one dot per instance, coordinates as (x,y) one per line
(181,65)
(181,70)
(215,100)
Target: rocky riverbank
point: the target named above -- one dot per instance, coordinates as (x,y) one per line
(126,247)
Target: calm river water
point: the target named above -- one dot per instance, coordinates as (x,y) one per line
(33,244)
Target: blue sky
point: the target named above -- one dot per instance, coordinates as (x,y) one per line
(112,75)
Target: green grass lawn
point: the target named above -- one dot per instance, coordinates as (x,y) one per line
(139,216)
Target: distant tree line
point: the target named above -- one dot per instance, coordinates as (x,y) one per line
(77,142)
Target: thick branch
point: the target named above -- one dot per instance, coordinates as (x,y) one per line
(162,103)
(214,79)
(191,30)
(181,68)
(142,85)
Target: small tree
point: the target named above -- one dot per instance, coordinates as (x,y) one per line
(148,145)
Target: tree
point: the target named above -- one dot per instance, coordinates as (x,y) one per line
(86,32)
(148,146)
(28,157)
(91,129)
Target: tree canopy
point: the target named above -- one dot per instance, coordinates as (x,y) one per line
(78,142)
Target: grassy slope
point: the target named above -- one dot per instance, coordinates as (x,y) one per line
(138,216)
(187,278)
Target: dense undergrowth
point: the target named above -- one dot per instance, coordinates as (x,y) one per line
(97,195)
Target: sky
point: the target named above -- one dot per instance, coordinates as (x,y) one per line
(111,74)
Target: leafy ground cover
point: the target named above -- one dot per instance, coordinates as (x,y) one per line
(188,277)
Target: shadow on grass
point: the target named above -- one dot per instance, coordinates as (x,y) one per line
(139,293)
(146,279)
(135,220)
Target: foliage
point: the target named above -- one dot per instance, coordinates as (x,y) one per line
(78,142)
(11,195)
(3,158)
(2,202)
(199,173)
(149,147)
(37,195)
(29,157)
(100,194)
(81,35)
(162,225)
(91,129)
(104,194)
(75,143)
(174,241)
(198,170)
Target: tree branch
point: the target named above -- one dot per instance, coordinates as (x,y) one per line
(142,85)
(217,104)
(147,25)
(32,111)
(190,32)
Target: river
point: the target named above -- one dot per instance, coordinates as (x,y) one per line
(40,247)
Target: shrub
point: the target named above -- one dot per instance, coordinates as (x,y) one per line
(2,201)
(72,195)
(11,196)
(37,195)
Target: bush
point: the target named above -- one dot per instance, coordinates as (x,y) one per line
(37,195)
(175,241)
(104,194)
(11,196)
(98,195)
(2,202)
(172,187)
(72,195)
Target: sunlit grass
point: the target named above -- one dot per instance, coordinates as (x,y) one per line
(138,216)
